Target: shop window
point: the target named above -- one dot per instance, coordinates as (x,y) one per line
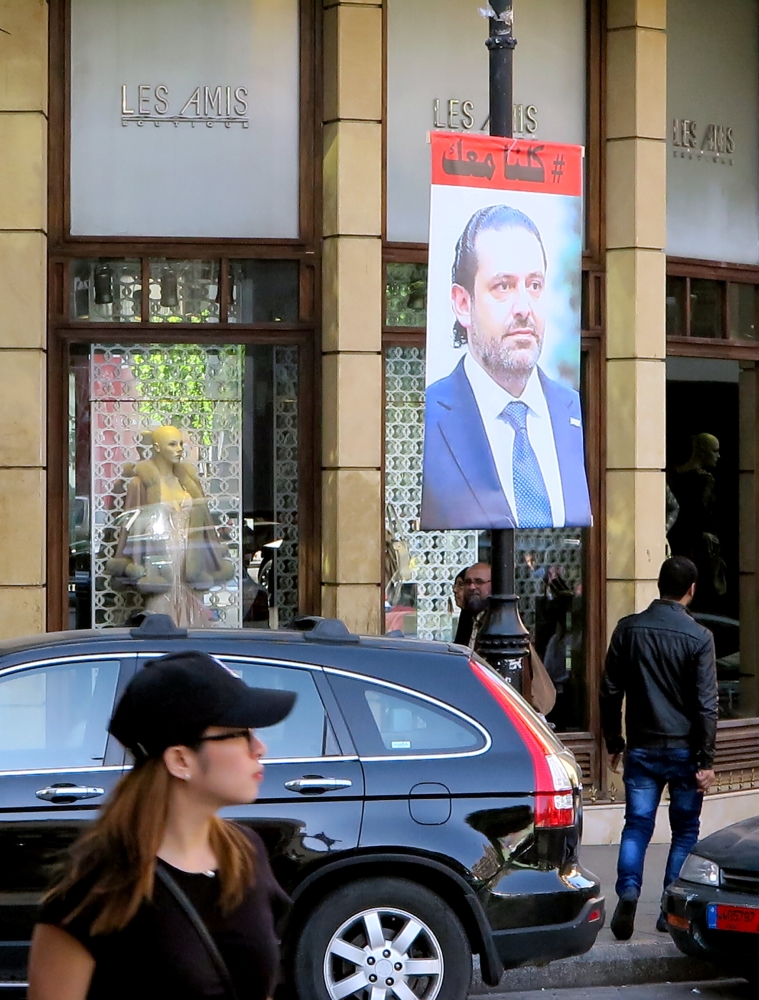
(741,311)
(263,291)
(106,291)
(406,295)
(183,483)
(420,567)
(710,309)
(706,308)
(677,289)
(183,291)
(712,501)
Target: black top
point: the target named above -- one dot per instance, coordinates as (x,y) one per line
(663,661)
(159,954)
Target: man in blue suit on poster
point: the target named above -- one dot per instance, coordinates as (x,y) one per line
(503,442)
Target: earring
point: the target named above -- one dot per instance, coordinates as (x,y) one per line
(186,777)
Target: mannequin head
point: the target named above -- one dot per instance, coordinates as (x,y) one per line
(705,451)
(168,444)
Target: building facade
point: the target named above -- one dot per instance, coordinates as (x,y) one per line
(214,216)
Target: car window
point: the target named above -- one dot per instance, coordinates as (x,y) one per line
(56,716)
(386,721)
(407,725)
(306,731)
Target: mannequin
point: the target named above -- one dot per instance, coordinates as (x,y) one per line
(168,548)
(694,531)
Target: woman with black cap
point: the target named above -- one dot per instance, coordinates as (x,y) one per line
(161,897)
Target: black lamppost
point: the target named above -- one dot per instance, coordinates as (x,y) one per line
(503,639)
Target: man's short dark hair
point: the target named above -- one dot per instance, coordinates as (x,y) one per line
(464,268)
(676,576)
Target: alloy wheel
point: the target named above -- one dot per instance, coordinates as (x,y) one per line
(383,953)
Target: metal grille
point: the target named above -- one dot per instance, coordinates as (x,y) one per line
(286,478)
(133,390)
(435,556)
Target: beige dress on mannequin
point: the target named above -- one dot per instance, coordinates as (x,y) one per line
(169,550)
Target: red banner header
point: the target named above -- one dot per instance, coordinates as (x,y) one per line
(485,161)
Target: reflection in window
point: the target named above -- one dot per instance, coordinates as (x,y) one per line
(711,420)
(263,291)
(676,292)
(420,567)
(56,716)
(741,311)
(706,308)
(406,295)
(216,545)
(106,291)
(406,725)
(184,291)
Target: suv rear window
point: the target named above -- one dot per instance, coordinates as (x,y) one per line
(386,721)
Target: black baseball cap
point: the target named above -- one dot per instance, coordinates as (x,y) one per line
(174,699)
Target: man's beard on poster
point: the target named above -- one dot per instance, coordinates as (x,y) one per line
(502,356)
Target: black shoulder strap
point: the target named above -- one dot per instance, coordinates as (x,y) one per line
(202,931)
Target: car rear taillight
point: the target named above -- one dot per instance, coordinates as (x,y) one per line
(554,794)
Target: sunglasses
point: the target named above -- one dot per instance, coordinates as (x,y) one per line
(235,734)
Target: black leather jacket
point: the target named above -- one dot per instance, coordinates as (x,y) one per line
(663,661)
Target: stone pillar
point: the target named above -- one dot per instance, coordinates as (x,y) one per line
(23,313)
(352,520)
(635,301)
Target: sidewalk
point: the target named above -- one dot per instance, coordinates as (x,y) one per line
(648,957)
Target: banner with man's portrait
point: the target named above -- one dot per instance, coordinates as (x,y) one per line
(503,444)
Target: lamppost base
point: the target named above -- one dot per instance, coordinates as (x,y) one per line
(503,639)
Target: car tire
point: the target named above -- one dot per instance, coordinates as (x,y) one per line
(353,933)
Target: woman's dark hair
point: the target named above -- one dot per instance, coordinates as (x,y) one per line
(465,261)
(676,576)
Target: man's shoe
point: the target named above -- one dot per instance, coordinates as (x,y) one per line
(661,924)
(623,921)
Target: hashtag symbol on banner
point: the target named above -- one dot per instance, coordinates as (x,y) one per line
(558,168)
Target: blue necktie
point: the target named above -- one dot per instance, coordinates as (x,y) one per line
(533,508)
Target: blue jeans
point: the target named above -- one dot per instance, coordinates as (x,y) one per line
(646,774)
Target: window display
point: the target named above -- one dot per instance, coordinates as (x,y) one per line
(711,479)
(183,480)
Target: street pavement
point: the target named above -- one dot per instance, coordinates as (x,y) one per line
(722,989)
(649,957)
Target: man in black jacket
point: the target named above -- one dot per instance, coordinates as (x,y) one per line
(663,662)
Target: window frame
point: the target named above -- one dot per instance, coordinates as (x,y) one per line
(737,739)
(63,249)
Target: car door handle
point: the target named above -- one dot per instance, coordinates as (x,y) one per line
(314,784)
(64,793)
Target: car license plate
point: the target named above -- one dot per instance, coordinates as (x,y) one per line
(720,917)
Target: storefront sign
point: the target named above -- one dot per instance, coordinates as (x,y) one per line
(503,442)
(206,105)
(713,130)
(455,114)
(185,119)
(694,141)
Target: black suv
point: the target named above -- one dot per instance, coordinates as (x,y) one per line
(415,808)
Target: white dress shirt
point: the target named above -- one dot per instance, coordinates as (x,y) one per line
(491,400)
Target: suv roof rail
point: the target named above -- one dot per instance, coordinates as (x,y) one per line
(155,626)
(331,630)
